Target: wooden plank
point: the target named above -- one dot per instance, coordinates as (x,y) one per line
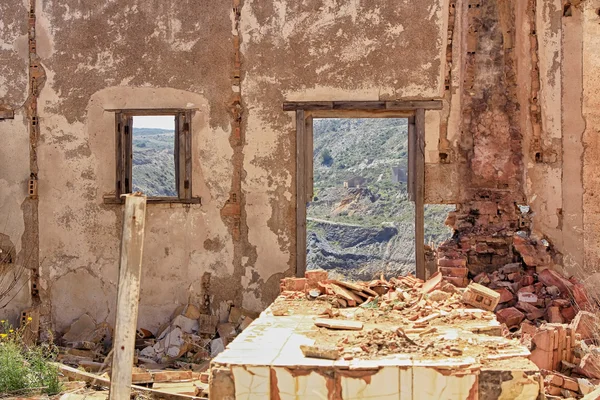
(119,156)
(309,143)
(359,105)
(151,111)
(7,114)
(77,375)
(339,324)
(360,113)
(414,105)
(128,154)
(346,294)
(420,193)
(188,155)
(300,194)
(354,286)
(157,200)
(307,105)
(411,159)
(128,293)
(399,105)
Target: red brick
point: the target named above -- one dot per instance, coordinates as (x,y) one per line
(510,316)
(314,277)
(457,281)
(581,298)
(293,284)
(570,384)
(452,262)
(568,313)
(454,271)
(511,268)
(527,280)
(586,324)
(590,365)
(482,278)
(553,315)
(505,295)
(552,278)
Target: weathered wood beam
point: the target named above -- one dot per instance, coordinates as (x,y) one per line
(399,105)
(300,193)
(128,293)
(419,187)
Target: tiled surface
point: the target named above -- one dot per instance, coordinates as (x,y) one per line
(252,383)
(266,357)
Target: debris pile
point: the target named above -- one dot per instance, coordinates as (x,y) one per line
(179,353)
(543,310)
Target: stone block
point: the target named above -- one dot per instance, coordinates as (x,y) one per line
(480,296)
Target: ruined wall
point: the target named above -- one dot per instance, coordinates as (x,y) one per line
(311,51)
(236,63)
(15,220)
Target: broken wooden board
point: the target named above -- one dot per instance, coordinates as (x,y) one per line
(325,352)
(353,286)
(346,294)
(339,324)
(92,379)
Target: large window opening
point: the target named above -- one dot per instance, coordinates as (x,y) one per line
(153,155)
(361,220)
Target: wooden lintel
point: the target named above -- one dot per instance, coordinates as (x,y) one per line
(7,114)
(152,111)
(308,105)
(156,200)
(399,105)
(413,105)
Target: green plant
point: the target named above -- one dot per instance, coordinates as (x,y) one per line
(326,158)
(25,369)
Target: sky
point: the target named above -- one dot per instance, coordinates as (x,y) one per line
(154,121)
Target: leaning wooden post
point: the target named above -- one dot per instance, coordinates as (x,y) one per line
(128,292)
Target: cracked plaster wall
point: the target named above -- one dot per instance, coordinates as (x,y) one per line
(134,54)
(14,152)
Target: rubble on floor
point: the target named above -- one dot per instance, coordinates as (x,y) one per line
(173,360)
(549,314)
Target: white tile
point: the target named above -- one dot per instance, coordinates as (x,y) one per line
(252,383)
(431,384)
(383,385)
(406,383)
(312,386)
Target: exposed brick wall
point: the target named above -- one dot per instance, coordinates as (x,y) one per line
(491,143)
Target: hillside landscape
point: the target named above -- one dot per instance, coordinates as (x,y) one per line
(362,231)
(153,169)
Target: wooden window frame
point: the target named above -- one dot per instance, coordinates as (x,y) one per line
(124,154)
(414,111)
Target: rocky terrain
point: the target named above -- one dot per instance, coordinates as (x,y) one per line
(153,169)
(359,232)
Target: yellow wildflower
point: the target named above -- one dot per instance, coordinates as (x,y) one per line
(29,319)
(2,320)
(3,335)
(11,330)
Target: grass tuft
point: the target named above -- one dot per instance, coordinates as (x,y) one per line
(25,369)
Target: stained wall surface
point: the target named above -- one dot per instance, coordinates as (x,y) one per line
(518,80)
(235,64)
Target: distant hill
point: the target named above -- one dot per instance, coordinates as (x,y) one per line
(153,166)
(359,232)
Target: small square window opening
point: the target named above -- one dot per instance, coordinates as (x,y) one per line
(154,155)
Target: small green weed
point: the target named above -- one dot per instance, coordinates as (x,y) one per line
(25,369)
